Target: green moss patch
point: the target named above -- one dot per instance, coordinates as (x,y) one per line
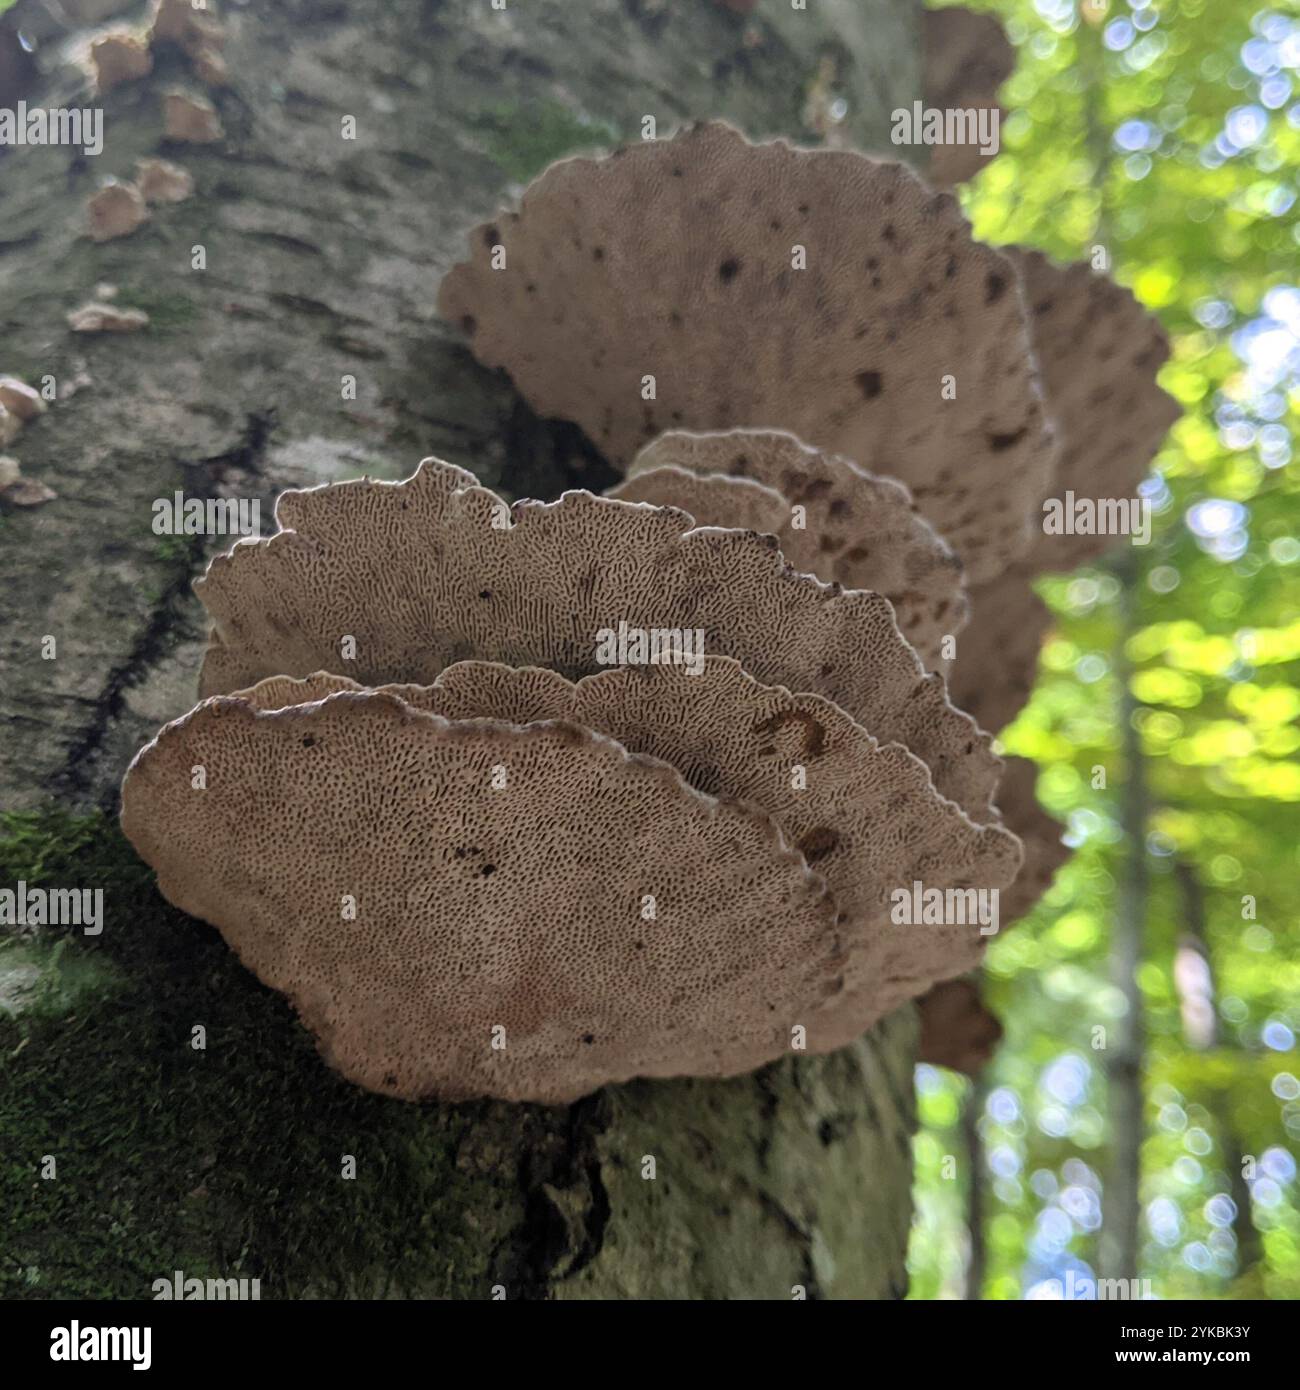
(224,1162)
(522,141)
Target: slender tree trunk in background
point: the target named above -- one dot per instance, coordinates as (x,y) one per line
(1121,1209)
(323,257)
(977,1247)
(1121,1206)
(1194,977)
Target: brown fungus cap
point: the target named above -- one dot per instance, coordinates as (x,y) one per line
(423,889)
(19,399)
(966,57)
(189,27)
(119,57)
(107,318)
(997,655)
(414,576)
(190,119)
(958,1029)
(711,498)
(850,353)
(1038,832)
(853,528)
(865,815)
(1099,352)
(161,181)
(116,210)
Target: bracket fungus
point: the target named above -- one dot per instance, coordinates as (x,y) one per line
(116,210)
(107,318)
(190,119)
(19,399)
(500,805)
(118,57)
(161,181)
(1099,352)
(833,519)
(958,1030)
(534,584)
(967,57)
(854,295)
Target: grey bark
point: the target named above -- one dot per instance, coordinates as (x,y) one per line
(323,259)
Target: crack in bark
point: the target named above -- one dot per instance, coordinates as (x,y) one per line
(76,777)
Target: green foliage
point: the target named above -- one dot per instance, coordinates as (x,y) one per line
(1111,141)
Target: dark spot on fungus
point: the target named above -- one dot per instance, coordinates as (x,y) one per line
(488,869)
(814,736)
(309,742)
(869,383)
(491,236)
(597,253)
(485,593)
(589,1038)
(996,285)
(469,323)
(998,442)
(817,844)
(728,270)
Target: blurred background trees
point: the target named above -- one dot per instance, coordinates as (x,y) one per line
(1166,715)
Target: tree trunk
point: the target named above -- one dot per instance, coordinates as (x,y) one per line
(1121,1198)
(1194,979)
(322,256)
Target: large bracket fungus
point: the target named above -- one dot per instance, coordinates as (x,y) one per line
(419,708)
(820,292)
(436,569)
(832,519)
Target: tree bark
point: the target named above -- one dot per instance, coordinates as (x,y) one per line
(1121,1198)
(323,257)
(1201,1032)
